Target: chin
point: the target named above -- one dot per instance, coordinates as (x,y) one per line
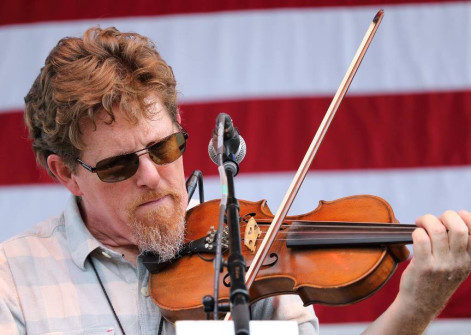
(160,230)
(164,240)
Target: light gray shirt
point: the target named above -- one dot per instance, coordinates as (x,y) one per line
(47,286)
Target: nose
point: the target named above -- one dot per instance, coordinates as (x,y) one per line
(147,174)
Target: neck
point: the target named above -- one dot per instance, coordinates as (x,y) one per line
(110,237)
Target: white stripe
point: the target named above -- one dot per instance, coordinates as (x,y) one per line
(266,53)
(438,327)
(23,206)
(411,193)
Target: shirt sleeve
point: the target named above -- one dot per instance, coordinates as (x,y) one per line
(287,307)
(11,315)
(290,307)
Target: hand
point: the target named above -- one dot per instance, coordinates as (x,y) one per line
(441,262)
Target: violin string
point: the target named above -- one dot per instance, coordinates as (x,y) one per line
(341,233)
(340,229)
(315,234)
(310,239)
(318,235)
(324,238)
(352,225)
(314,231)
(328,221)
(344,231)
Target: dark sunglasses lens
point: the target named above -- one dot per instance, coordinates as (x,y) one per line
(118,168)
(169,149)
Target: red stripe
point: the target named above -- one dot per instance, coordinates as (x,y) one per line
(28,11)
(18,161)
(369,132)
(371,308)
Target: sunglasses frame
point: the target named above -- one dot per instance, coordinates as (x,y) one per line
(146,151)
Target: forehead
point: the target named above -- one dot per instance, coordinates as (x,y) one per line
(123,136)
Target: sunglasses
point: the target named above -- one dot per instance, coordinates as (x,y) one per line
(122,167)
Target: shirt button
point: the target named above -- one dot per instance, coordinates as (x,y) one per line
(145,291)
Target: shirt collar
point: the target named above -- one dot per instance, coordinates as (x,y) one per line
(81,242)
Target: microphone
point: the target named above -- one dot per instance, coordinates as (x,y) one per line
(233,144)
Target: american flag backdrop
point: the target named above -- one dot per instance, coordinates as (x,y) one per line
(402,132)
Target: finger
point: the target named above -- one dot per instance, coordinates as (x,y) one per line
(422,246)
(458,232)
(466,216)
(437,234)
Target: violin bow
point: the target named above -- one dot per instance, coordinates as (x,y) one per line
(311,153)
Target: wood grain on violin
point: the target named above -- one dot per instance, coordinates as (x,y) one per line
(329,273)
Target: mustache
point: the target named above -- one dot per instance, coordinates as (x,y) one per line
(150,196)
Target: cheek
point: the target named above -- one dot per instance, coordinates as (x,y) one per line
(118,196)
(105,196)
(173,173)
(175,177)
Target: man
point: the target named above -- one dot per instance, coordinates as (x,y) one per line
(104,121)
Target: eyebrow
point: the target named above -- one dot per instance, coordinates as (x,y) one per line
(148,145)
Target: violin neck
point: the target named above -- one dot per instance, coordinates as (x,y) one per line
(347,234)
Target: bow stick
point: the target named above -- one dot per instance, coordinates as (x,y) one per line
(310,154)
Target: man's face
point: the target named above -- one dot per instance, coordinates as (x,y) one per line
(147,209)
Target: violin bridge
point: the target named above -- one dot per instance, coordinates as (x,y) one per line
(252,232)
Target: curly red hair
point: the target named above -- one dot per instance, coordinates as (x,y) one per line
(83,76)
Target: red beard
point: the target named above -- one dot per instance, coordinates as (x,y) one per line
(160,230)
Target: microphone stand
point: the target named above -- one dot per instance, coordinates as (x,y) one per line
(196,178)
(228,168)
(239,295)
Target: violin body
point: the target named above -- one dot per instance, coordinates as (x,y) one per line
(325,275)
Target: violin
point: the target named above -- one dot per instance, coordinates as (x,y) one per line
(340,253)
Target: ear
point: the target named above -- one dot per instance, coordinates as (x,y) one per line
(179,118)
(63,174)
